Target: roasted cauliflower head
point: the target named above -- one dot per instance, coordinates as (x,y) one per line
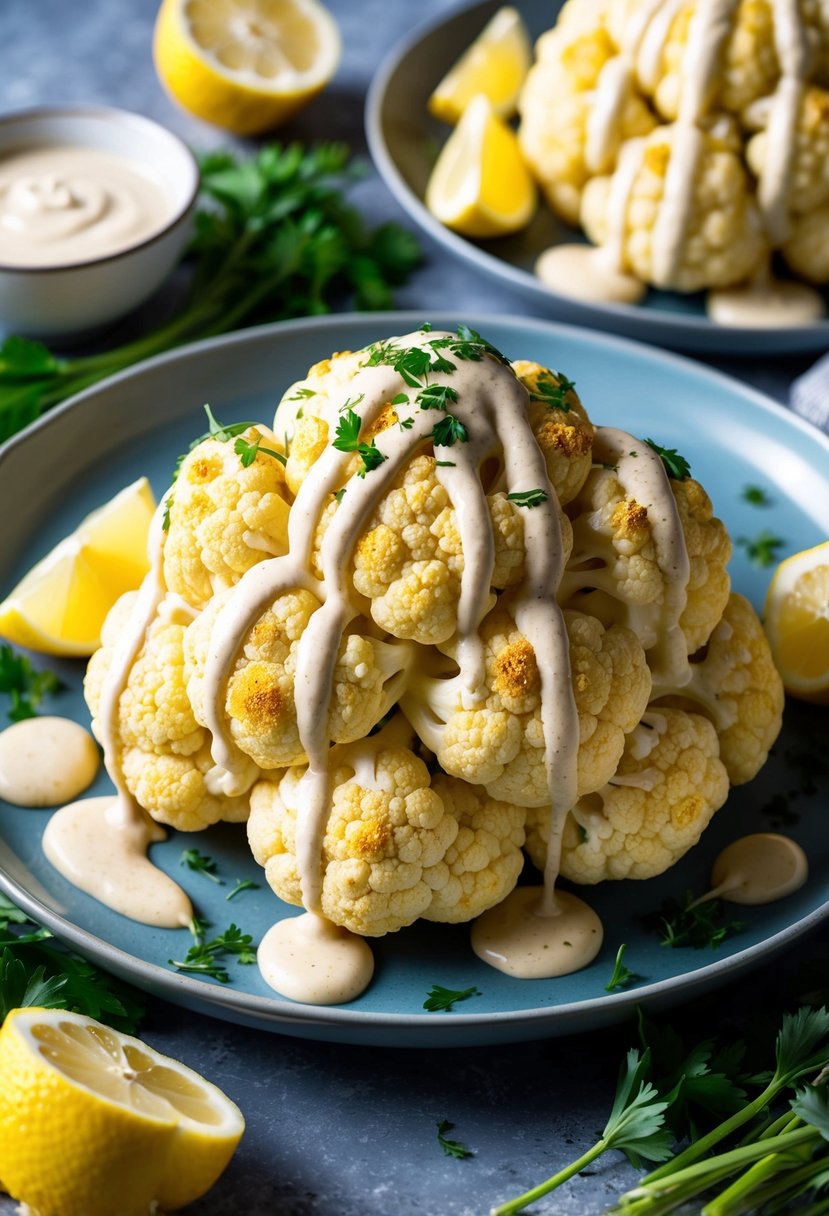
(456,605)
(688,143)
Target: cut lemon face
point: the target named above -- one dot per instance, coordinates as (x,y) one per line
(496,64)
(245,65)
(480,185)
(60,605)
(93,1121)
(796,619)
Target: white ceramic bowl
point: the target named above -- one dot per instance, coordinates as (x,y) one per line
(60,301)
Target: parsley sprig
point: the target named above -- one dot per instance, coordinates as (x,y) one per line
(347,439)
(762,550)
(275,237)
(528,498)
(440,999)
(24,684)
(208,957)
(552,391)
(452,1148)
(35,970)
(621,974)
(676,466)
(701,925)
(199,863)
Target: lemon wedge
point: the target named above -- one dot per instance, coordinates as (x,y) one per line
(60,605)
(480,185)
(496,64)
(245,65)
(796,619)
(93,1121)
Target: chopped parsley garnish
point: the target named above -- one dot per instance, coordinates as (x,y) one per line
(440,999)
(437,397)
(445,464)
(242,884)
(763,550)
(756,495)
(699,925)
(165,516)
(452,1148)
(448,431)
(201,864)
(405,424)
(208,957)
(247,452)
(676,466)
(338,495)
(25,685)
(347,439)
(528,498)
(215,430)
(301,394)
(621,973)
(552,392)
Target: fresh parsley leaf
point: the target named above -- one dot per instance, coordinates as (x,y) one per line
(242,884)
(371,457)
(756,496)
(301,394)
(405,424)
(698,925)
(676,466)
(201,864)
(25,684)
(247,452)
(347,434)
(437,397)
(445,464)
(528,498)
(208,957)
(400,399)
(621,974)
(448,431)
(763,549)
(452,1148)
(442,999)
(338,495)
(20,987)
(165,517)
(552,391)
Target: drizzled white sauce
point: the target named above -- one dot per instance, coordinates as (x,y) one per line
(44,761)
(758,869)
(310,960)
(100,844)
(643,38)
(521,939)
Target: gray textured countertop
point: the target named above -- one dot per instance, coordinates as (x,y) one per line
(335,1131)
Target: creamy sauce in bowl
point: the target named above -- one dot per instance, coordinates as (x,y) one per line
(61,204)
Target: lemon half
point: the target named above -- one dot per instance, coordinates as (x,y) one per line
(480,185)
(60,605)
(496,64)
(93,1121)
(796,619)
(245,65)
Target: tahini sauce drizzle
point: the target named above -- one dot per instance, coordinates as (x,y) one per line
(598,274)
(100,844)
(46,761)
(758,869)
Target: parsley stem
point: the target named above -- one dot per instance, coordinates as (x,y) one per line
(544,1188)
(662,1204)
(742,1195)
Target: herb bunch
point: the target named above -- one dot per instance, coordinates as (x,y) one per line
(275,237)
(35,970)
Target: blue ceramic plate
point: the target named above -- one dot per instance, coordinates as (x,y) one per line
(79,455)
(404,140)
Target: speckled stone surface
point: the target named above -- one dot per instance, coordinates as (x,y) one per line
(335,1131)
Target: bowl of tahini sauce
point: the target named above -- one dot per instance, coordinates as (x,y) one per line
(96,207)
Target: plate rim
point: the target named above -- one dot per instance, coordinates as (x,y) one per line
(276,1012)
(678,325)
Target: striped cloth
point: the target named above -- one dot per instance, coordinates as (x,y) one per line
(809,394)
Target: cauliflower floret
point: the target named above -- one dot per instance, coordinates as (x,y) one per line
(734,683)
(500,743)
(807,248)
(309,411)
(485,858)
(555,107)
(561,427)
(162,751)
(385,844)
(409,561)
(613,571)
(669,783)
(724,240)
(808,175)
(224,518)
(259,697)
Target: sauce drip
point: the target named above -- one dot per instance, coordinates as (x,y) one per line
(761,307)
(758,869)
(312,961)
(521,939)
(44,761)
(100,844)
(62,204)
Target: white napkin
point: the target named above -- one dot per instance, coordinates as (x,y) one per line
(809,394)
